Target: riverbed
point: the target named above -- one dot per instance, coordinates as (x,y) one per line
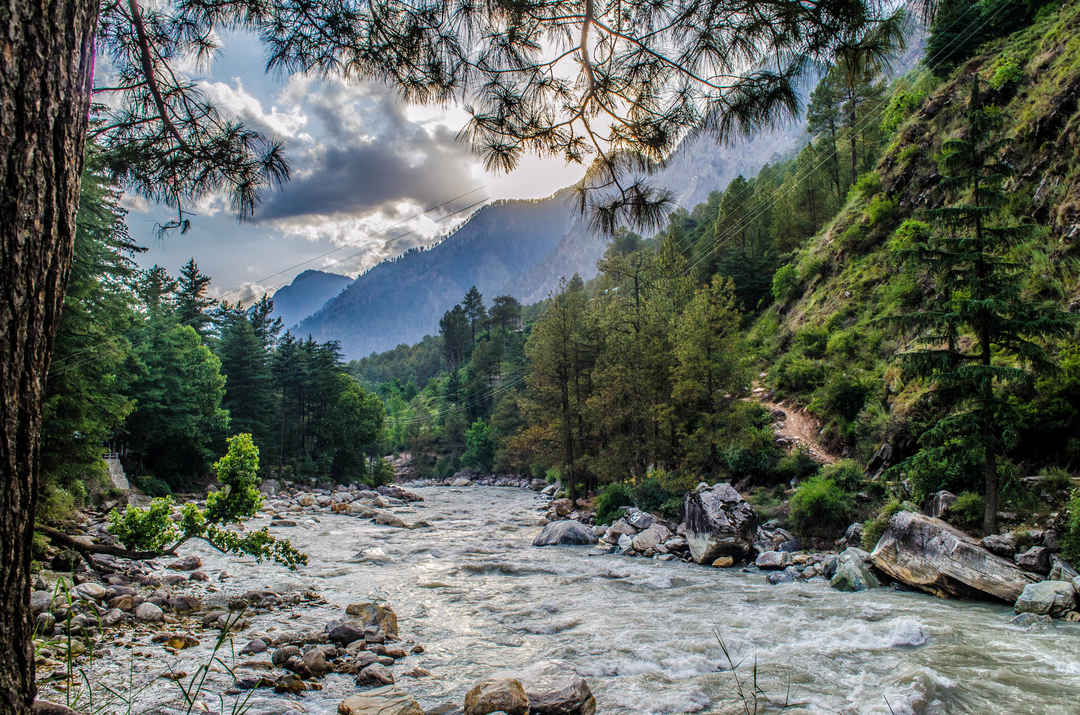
(644,633)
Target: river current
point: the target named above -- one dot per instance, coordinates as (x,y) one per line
(644,633)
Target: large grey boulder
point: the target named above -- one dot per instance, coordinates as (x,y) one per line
(853,571)
(771,560)
(719,522)
(652,537)
(500,695)
(553,687)
(567,531)
(1036,559)
(1051,598)
(932,556)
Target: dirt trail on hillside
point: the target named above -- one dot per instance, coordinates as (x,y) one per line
(798,428)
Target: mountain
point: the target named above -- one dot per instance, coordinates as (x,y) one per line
(307,292)
(515,247)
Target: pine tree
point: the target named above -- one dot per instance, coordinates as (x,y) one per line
(192,305)
(474,310)
(979,331)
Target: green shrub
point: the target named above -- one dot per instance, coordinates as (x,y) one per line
(152,486)
(812,342)
(798,465)
(150,529)
(649,494)
(796,373)
(868,185)
(784,282)
(967,511)
(609,501)
(1006,70)
(54,504)
(479,446)
(820,508)
(1070,541)
(672,508)
(748,462)
(382,472)
(843,344)
(552,475)
(847,474)
(881,211)
(843,395)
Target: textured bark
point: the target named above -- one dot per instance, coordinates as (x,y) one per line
(46,62)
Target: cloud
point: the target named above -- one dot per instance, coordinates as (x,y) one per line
(370,157)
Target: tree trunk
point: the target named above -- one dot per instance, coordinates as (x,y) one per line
(46,63)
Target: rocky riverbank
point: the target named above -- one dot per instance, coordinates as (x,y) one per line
(296,648)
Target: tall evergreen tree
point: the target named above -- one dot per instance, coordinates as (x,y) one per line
(978,295)
(474,311)
(192,305)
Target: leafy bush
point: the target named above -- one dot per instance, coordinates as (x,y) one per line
(880,211)
(967,511)
(796,373)
(868,185)
(152,486)
(812,342)
(1007,70)
(843,395)
(798,465)
(54,504)
(784,282)
(847,474)
(479,446)
(672,508)
(650,494)
(238,473)
(747,462)
(1070,541)
(150,529)
(382,472)
(609,501)
(820,508)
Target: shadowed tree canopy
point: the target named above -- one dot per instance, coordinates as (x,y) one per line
(613,83)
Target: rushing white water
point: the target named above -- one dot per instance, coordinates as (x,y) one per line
(644,633)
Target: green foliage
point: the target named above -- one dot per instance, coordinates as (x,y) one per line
(479,447)
(796,466)
(1070,540)
(785,282)
(846,474)
(1006,70)
(820,508)
(149,529)
(238,473)
(151,486)
(155,529)
(54,504)
(610,500)
(382,473)
(843,395)
(967,511)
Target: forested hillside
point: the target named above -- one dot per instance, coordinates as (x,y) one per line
(147,366)
(517,248)
(909,279)
(306,294)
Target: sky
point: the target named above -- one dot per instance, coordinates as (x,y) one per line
(371,178)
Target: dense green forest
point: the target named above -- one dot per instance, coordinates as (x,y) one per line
(905,278)
(146,365)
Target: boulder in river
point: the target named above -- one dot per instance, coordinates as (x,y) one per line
(188,563)
(933,556)
(565,532)
(553,687)
(719,522)
(1050,598)
(374,614)
(853,571)
(149,612)
(502,695)
(375,674)
(380,701)
(650,538)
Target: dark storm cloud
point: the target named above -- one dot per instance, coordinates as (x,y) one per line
(371,157)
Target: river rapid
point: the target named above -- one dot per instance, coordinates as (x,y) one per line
(644,633)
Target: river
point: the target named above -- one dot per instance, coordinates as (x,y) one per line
(643,633)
